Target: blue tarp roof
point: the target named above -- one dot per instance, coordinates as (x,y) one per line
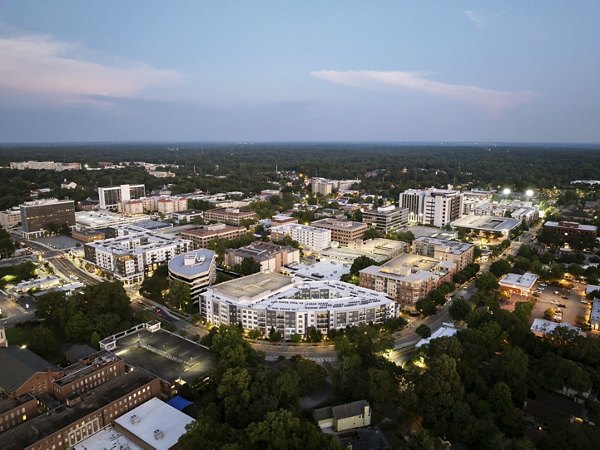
(180,403)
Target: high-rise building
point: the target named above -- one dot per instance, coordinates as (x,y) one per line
(111,196)
(197,269)
(37,215)
(436,207)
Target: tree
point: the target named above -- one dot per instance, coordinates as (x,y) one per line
(43,342)
(487,282)
(500,267)
(423,330)
(179,295)
(360,263)
(95,340)
(248,266)
(460,309)
(372,233)
(426,307)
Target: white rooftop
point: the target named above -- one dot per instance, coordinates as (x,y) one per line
(192,263)
(107,438)
(595,312)
(155,423)
(546,326)
(446,330)
(323,270)
(526,280)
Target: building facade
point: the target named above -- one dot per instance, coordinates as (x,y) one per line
(437,207)
(289,306)
(111,196)
(460,253)
(309,238)
(230,216)
(201,237)
(343,231)
(11,218)
(386,218)
(197,269)
(37,215)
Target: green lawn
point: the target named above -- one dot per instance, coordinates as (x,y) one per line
(19,335)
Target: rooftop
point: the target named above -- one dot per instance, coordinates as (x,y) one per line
(446,330)
(39,427)
(155,423)
(107,438)
(260,251)
(544,326)
(323,270)
(18,365)
(573,225)
(213,230)
(526,280)
(336,224)
(251,286)
(454,247)
(192,263)
(487,223)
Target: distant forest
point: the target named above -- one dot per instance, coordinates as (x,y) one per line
(385,169)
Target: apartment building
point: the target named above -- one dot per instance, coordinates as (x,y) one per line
(111,196)
(203,236)
(133,252)
(343,231)
(569,230)
(386,218)
(11,218)
(263,301)
(325,186)
(230,216)
(407,278)
(271,257)
(36,215)
(309,238)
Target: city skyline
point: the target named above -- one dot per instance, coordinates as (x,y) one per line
(280,71)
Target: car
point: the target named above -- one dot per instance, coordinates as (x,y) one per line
(566,297)
(554,302)
(556,292)
(561,305)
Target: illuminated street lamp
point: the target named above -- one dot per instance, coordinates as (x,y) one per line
(506,191)
(529,193)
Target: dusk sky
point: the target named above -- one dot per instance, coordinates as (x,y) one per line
(124,70)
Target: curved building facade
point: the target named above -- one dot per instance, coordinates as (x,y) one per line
(293,306)
(198,269)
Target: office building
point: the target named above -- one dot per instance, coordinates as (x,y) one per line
(343,231)
(271,257)
(386,218)
(501,226)
(570,230)
(203,236)
(264,301)
(197,269)
(111,196)
(230,216)
(324,186)
(134,252)
(460,253)
(436,207)
(37,215)
(309,238)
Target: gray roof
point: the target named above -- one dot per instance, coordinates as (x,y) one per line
(18,365)
(192,263)
(349,409)
(79,351)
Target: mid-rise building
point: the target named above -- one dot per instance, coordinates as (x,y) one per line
(407,278)
(133,253)
(386,218)
(324,186)
(230,216)
(37,215)
(271,257)
(203,236)
(309,238)
(170,205)
(271,301)
(459,253)
(197,269)
(11,218)
(111,196)
(437,207)
(343,231)
(571,230)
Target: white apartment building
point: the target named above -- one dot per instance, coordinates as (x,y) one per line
(110,197)
(133,252)
(309,238)
(437,207)
(324,186)
(291,306)
(11,218)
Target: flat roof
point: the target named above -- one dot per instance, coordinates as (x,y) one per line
(44,425)
(349,254)
(251,286)
(546,326)
(455,247)
(188,361)
(323,270)
(107,438)
(527,280)
(445,330)
(192,263)
(212,230)
(595,312)
(155,423)
(337,224)
(487,223)
(573,227)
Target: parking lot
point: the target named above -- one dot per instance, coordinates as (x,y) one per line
(553,296)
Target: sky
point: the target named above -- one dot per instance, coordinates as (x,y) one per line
(311,70)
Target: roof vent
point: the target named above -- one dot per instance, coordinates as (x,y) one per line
(158,434)
(134,419)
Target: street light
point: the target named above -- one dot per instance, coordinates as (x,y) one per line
(506,191)
(529,193)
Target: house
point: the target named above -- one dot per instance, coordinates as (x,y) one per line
(344,417)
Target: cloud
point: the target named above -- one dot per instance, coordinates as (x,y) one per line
(490,100)
(476,18)
(42,66)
